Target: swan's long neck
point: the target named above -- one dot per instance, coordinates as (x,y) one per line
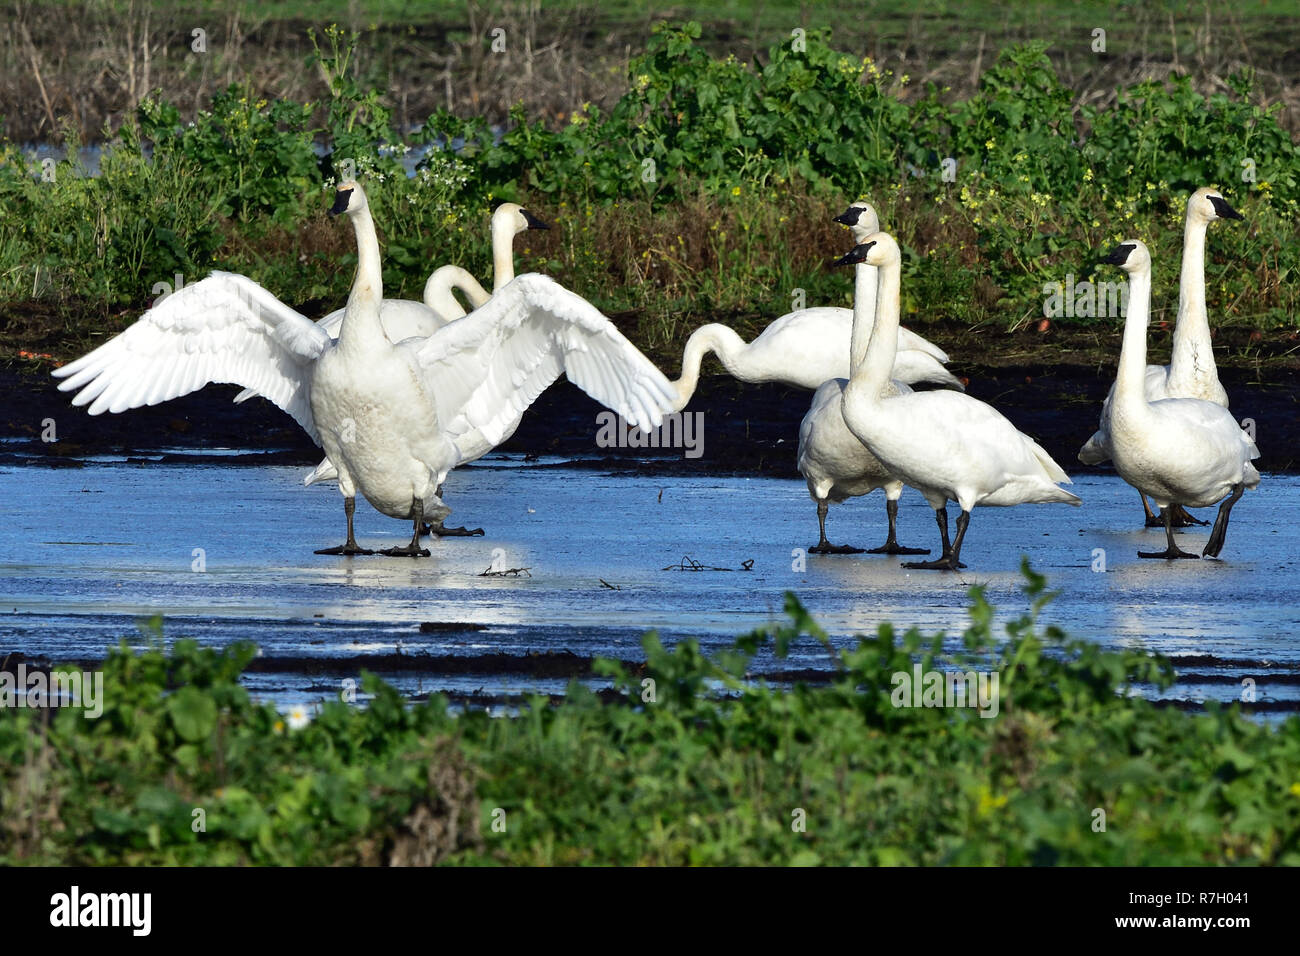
(503,254)
(864,313)
(1130,382)
(438,291)
(361,325)
(725,343)
(1193,351)
(871,378)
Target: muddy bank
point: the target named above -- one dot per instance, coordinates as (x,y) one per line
(747,429)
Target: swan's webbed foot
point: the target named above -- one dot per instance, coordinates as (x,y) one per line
(438,530)
(950,560)
(825,547)
(1172,550)
(350,546)
(444,532)
(410,551)
(1182,519)
(893,547)
(1178,515)
(946,563)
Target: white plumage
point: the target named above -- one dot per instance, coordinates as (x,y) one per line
(394,418)
(1191,372)
(947,445)
(405,319)
(1180,451)
(225,329)
(811,346)
(835,464)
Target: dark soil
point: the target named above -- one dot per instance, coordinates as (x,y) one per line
(1050,385)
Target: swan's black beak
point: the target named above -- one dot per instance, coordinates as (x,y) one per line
(533,221)
(849,217)
(1223,210)
(341,200)
(1119,255)
(855,255)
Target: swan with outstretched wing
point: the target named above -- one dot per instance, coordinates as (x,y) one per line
(393,418)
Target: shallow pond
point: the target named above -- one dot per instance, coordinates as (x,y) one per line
(85,552)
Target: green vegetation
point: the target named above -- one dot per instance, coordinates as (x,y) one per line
(711,771)
(706,190)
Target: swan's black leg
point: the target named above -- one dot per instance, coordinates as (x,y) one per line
(1153,520)
(412,550)
(1220,530)
(949,560)
(1173,551)
(891,545)
(823,546)
(350,546)
(437,529)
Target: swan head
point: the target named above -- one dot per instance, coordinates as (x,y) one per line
(877,249)
(514,219)
(1131,255)
(1208,205)
(349,198)
(861,218)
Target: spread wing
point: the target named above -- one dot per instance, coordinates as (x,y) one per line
(485,369)
(226,328)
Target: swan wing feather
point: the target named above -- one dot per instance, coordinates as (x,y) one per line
(225,328)
(488,367)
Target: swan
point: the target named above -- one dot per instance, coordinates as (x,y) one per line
(1187,451)
(1191,372)
(810,346)
(945,444)
(508,221)
(833,462)
(394,418)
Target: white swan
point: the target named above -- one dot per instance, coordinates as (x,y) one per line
(1187,451)
(833,462)
(945,444)
(1191,372)
(508,220)
(811,346)
(394,418)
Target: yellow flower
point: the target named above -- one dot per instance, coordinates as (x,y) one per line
(988,803)
(1087,175)
(1295,789)
(735,191)
(988,144)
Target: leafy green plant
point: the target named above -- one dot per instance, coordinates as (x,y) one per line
(696,763)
